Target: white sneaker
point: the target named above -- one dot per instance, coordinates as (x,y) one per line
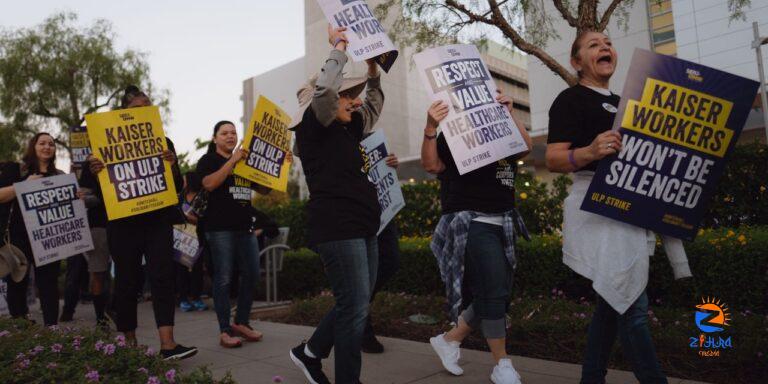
(504,373)
(448,352)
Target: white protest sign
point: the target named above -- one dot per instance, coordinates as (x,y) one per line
(384,177)
(56,219)
(367,38)
(3,295)
(478,129)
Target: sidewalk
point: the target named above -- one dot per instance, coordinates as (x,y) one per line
(403,361)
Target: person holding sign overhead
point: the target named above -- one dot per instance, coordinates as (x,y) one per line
(148,235)
(478,229)
(39,160)
(343,212)
(613,254)
(227,223)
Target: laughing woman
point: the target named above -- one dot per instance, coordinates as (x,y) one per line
(39,160)
(614,255)
(227,222)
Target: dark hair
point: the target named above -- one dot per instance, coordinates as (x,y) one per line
(30,161)
(131,92)
(194,184)
(212,145)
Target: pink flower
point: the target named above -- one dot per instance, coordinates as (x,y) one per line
(92,376)
(109,349)
(99,344)
(56,348)
(170,375)
(20,356)
(52,365)
(143,370)
(149,352)
(24,364)
(153,380)
(4,333)
(36,350)
(120,341)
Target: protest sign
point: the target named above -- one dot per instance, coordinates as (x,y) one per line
(367,38)
(56,219)
(478,129)
(186,248)
(131,142)
(383,176)
(79,145)
(679,121)
(267,140)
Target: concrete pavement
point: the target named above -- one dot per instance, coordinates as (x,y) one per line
(403,361)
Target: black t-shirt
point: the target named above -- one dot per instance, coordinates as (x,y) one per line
(489,189)
(229,204)
(342,201)
(97,216)
(578,115)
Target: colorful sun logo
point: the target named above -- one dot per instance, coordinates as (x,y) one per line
(712,315)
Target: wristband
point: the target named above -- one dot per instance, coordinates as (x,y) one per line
(572,159)
(430,137)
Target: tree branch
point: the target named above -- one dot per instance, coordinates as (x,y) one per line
(471,15)
(500,22)
(95,108)
(607,15)
(566,13)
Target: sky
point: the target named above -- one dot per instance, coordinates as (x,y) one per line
(199,50)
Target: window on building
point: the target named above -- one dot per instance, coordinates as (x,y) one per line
(662,25)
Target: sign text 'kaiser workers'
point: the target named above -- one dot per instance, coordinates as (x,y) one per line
(268,141)
(367,38)
(383,176)
(56,219)
(679,121)
(131,142)
(478,129)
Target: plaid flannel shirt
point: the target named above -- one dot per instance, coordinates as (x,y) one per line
(449,243)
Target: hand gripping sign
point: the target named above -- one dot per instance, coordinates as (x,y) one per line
(56,219)
(679,121)
(367,38)
(136,179)
(384,177)
(478,129)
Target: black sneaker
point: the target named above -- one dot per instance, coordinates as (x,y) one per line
(179,353)
(371,344)
(312,368)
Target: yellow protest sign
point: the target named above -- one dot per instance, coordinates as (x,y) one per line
(268,141)
(135,179)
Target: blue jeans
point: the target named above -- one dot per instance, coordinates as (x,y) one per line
(351,269)
(489,278)
(228,247)
(632,329)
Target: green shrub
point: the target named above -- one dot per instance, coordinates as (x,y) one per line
(741,197)
(33,354)
(729,264)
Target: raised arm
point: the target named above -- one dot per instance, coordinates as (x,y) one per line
(325,101)
(429,157)
(374,97)
(215,179)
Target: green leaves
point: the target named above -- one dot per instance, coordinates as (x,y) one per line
(52,74)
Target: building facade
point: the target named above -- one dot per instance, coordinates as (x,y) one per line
(406,100)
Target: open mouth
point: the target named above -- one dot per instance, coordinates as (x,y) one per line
(607,59)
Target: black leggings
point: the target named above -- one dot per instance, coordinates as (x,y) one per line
(47,282)
(127,244)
